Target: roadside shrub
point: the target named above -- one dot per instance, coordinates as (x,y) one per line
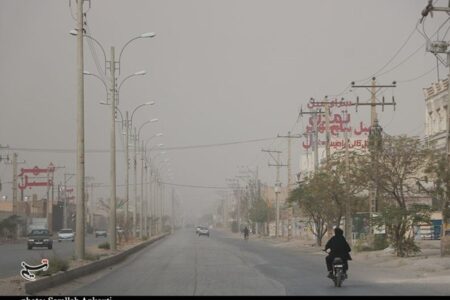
(380,242)
(372,243)
(144,237)
(104,245)
(56,264)
(362,245)
(91,257)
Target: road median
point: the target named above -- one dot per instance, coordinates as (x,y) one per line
(63,277)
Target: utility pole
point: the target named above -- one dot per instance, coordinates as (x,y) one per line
(289,185)
(135,184)
(65,198)
(437,47)
(146,197)
(14,184)
(142,215)
(80,217)
(289,137)
(326,105)
(127,180)
(277,164)
(173,211)
(348,213)
(314,113)
(375,133)
(113,199)
(152,201)
(50,197)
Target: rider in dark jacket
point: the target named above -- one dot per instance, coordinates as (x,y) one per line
(339,248)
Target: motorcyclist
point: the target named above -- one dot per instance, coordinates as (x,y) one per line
(338,248)
(246,232)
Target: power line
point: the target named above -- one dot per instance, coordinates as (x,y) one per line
(418,77)
(395,55)
(196,186)
(217,145)
(53,150)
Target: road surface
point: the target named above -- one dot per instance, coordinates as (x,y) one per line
(185,264)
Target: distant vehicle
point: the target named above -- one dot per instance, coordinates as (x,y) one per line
(100,232)
(66,234)
(39,238)
(120,230)
(203,230)
(197,229)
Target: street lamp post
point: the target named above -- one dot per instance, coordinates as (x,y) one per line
(112,202)
(80,217)
(80,187)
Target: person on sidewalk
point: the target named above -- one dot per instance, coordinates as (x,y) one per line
(246,232)
(338,248)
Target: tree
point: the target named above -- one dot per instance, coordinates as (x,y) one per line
(260,212)
(438,171)
(313,199)
(325,196)
(399,165)
(8,226)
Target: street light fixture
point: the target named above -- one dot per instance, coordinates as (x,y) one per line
(85,72)
(114,99)
(139,73)
(145,123)
(142,36)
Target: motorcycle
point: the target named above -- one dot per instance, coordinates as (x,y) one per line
(338,275)
(338,272)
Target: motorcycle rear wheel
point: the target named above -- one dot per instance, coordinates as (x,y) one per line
(338,280)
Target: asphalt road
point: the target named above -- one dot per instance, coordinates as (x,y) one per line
(12,254)
(185,264)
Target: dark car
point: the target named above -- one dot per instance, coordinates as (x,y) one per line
(40,238)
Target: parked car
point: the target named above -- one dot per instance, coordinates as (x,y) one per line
(39,238)
(66,234)
(100,232)
(203,230)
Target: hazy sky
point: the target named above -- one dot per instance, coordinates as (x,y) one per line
(219,71)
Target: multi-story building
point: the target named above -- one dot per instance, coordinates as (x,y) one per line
(436,100)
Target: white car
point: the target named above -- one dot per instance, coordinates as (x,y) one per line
(203,230)
(100,232)
(66,234)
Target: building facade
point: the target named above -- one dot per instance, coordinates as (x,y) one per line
(436,102)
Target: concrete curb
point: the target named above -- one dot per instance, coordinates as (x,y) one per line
(63,277)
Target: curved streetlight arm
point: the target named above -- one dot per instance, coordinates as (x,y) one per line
(75,32)
(121,116)
(129,76)
(126,44)
(140,128)
(142,36)
(155,156)
(153,148)
(99,78)
(100,45)
(131,118)
(152,137)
